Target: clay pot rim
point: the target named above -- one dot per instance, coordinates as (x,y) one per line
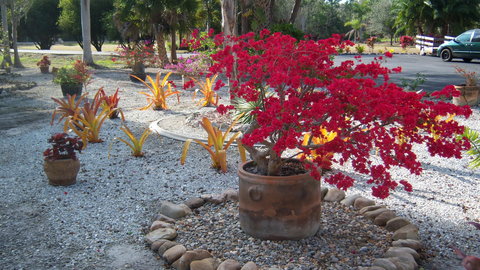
(278,180)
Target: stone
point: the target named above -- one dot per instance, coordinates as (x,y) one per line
(404,262)
(229,264)
(362,202)
(398,251)
(349,200)
(214,198)
(323,192)
(406,232)
(162,233)
(249,266)
(370,208)
(192,255)
(194,203)
(396,223)
(334,195)
(385,264)
(174,253)
(205,264)
(383,218)
(231,195)
(157,224)
(174,211)
(413,244)
(375,213)
(166,246)
(371,268)
(164,218)
(155,245)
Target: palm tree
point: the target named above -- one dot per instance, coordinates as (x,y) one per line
(357,29)
(454,16)
(414,17)
(86,35)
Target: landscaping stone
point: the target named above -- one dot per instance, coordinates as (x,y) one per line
(175,211)
(166,246)
(413,244)
(249,266)
(406,262)
(398,251)
(371,268)
(349,200)
(385,264)
(155,245)
(157,224)
(205,264)
(323,192)
(383,218)
(370,208)
(214,198)
(375,213)
(192,255)
(362,202)
(162,233)
(161,217)
(194,203)
(406,232)
(229,265)
(174,253)
(334,195)
(231,195)
(396,223)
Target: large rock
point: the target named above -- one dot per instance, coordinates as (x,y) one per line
(162,233)
(385,264)
(383,218)
(205,264)
(229,265)
(161,217)
(157,224)
(349,200)
(174,253)
(375,213)
(214,198)
(166,246)
(194,203)
(249,266)
(396,223)
(192,255)
(406,262)
(400,251)
(413,244)
(323,192)
(334,195)
(155,245)
(231,195)
(175,211)
(406,232)
(362,202)
(370,208)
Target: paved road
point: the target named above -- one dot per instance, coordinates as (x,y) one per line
(437,73)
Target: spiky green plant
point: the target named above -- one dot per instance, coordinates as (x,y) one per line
(474,137)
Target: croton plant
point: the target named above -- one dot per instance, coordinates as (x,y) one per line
(351,107)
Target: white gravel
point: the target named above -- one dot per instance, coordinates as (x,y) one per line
(99,222)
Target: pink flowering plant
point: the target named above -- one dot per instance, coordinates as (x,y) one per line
(300,91)
(142,52)
(406,41)
(192,66)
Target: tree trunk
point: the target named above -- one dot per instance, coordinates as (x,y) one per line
(295,10)
(86,35)
(229,17)
(245,5)
(162,51)
(6,46)
(173,48)
(16,58)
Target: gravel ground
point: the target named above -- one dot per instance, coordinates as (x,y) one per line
(99,222)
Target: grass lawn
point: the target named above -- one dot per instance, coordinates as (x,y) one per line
(30,60)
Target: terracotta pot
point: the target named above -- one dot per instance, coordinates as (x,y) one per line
(469,95)
(44,70)
(62,172)
(71,89)
(279,207)
(142,76)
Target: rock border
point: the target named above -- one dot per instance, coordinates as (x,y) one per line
(402,255)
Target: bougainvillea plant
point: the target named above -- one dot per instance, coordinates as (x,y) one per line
(376,122)
(63,147)
(406,41)
(139,53)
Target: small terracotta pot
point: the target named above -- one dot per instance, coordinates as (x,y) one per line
(45,69)
(61,172)
(469,95)
(142,76)
(279,207)
(71,89)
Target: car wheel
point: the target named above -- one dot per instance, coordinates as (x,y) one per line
(446,55)
(467,60)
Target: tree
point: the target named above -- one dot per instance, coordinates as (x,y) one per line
(18,9)
(414,17)
(85,18)
(40,23)
(360,9)
(296,8)
(454,16)
(381,19)
(4,37)
(229,17)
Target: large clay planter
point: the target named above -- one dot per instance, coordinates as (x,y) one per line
(71,89)
(44,70)
(141,76)
(61,172)
(279,207)
(469,95)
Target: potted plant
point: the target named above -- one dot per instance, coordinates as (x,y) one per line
(44,64)
(61,164)
(73,78)
(469,92)
(136,55)
(300,91)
